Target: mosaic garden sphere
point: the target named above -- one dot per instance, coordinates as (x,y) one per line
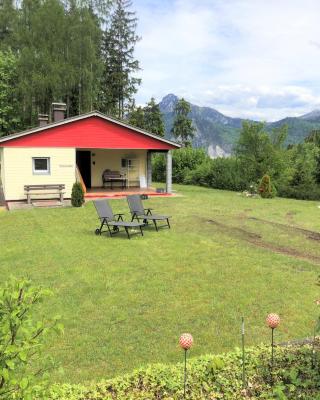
(186,341)
(273,320)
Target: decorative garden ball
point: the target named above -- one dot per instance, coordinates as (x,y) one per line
(273,320)
(186,341)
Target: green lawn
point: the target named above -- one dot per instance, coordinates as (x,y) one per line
(124,303)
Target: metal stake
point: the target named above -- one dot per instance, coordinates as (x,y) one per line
(272,353)
(243,357)
(313,346)
(185,373)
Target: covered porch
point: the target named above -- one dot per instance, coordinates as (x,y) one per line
(119,172)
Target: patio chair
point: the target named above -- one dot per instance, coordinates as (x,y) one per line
(138,212)
(113,221)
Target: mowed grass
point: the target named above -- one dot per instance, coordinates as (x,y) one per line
(124,303)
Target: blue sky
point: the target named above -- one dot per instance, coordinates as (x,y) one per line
(246,58)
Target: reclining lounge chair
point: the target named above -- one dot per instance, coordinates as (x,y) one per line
(113,221)
(138,212)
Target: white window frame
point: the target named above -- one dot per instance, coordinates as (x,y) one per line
(44,171)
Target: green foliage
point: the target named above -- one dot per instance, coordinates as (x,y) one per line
(9,106)
(220,173)
(153,121)
(313,137)
(183,161)
(120,38)
(266,189)
(77,195)
(148,118)
(136,117)
(57,46)
(295,172)
(182,128)
(211,377)
(23,367)
(258,152)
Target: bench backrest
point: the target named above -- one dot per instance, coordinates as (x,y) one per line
(44,187)
(108,174)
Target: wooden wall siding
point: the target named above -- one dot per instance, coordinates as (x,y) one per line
(18,169)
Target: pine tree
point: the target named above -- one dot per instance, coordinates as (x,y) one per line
(153,118)
(120,38)
(182,129)
(137,117)
(8,21)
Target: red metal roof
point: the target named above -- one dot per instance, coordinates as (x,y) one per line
(94,131)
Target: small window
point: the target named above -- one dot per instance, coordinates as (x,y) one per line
(41,166)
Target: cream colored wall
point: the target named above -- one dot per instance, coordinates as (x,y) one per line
(18,169)
(111,159)
(1,167)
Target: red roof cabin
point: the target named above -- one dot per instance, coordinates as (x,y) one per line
(104,154)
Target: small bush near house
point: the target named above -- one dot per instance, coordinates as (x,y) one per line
(266,189)
(77,195)
(212,377)
(23,367)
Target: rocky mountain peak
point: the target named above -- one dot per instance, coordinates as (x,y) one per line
(168,103)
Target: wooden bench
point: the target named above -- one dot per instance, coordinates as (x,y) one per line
(44,190)
(109,176)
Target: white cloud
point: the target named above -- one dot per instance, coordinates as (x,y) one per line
(244,57)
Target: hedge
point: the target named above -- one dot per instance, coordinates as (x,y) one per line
(295,376)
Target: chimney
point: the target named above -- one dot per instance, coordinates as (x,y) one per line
(43,119)
(58,110)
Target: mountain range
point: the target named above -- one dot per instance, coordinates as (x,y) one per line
(218,133)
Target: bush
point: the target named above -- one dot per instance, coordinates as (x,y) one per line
(220,173)
(301,192)
(211,377)
(184,160)
(77,195)
(266,189)
(23,369)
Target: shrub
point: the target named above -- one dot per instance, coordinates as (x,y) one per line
(266,189)
(220,173)
(183,161)
(211,377)
(77,195)
(22,365)
(301,192)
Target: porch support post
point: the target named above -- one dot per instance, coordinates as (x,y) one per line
(149,169)
(169,172)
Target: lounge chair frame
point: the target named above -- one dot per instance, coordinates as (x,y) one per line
(113,222)
(138,212)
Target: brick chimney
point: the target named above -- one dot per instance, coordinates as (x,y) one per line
(43,119)
(58,110)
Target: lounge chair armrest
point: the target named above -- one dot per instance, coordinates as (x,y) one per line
(119,215)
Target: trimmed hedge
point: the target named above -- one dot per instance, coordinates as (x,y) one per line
(211,377)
